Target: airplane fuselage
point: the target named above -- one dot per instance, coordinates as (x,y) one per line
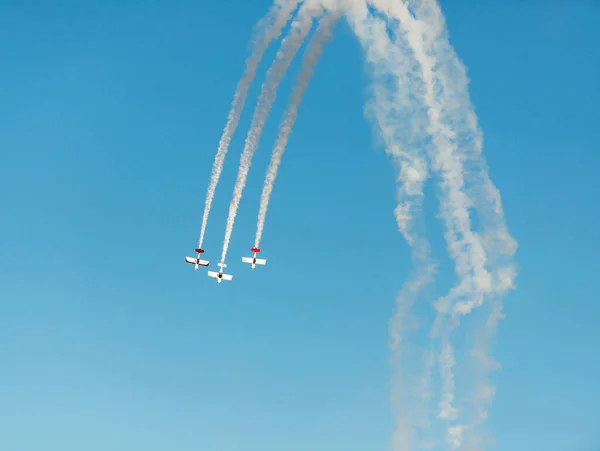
(253,262)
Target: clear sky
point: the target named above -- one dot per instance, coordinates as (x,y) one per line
(110,114)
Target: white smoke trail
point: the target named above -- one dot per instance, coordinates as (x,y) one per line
(463,244)
(499,246)
(289,47)
(401,125)
(279,15)
(426,36)
(313,53)
(426,72)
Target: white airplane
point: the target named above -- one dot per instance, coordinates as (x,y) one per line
(219,275)
(253,260)
(197,261)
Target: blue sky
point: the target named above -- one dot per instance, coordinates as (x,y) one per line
(110,114)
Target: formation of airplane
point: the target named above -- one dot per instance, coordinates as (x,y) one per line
(220,275)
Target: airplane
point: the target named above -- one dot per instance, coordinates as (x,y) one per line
(253,260)
(219,275)
(197,261)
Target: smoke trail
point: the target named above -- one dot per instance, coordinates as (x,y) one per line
(426,36)
(464,245)
(499,246)
(289,47)
(416,67)
(279,16)
(313,53)
(401,125)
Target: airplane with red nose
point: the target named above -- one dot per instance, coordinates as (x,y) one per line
(197,261)
(253,260)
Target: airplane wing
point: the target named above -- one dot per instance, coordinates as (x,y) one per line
(261,261)
(247,260)
(193,261)
(227,277)
(213,274)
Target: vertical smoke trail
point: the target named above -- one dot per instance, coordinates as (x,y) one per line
(401,124)
(463,244)
(426,36)
(279,16)
(313,53)
(289,47)
(499,246)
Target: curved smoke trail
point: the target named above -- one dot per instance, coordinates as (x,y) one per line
(279,15)
(313,53)
(421,105)
(289,47)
